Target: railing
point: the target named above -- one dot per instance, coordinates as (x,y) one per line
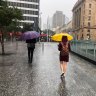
(84,48)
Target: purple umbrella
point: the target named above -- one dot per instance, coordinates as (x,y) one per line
(30,35)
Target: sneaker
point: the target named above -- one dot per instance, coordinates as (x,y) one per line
(62,74)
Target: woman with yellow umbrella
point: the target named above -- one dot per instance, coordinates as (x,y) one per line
(64,48)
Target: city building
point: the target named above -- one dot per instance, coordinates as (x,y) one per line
(50,23)
(66,20)
(58,19)
(66,28)
(84,20)
(29,8)
(40,22)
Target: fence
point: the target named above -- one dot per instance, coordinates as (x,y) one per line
(84,48)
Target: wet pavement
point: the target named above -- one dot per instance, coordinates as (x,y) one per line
(42,78)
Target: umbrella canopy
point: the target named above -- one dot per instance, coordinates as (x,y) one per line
(58,37)
(30,35)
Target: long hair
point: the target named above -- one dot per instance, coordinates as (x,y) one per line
(64,40)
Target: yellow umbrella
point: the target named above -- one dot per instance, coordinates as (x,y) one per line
(58,37)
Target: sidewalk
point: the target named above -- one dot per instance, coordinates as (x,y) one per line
(18,78)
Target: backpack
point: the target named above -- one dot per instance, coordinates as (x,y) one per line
(64,50)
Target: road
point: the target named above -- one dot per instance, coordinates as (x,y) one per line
(42,78)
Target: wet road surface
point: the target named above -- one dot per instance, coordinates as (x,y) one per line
(42,78)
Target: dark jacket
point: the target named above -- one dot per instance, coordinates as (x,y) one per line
(31,41)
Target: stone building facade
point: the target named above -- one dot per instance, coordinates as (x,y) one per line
(84,20)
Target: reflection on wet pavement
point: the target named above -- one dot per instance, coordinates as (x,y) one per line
(62,88)
(42,77)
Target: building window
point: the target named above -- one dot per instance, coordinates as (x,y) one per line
(90,5)
(88,24)
(82,37)
(84,6)
(83,18)
(88,36)
(84,11)
(89,12)
(89,18)
(88,30)
(83,24)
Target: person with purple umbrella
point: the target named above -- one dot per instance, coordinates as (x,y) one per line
(30,37)
(30,47)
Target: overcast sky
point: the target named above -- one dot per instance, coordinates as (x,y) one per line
(49,7)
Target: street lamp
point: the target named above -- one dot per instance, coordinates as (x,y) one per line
(40,20)
(47,28)
(40,23)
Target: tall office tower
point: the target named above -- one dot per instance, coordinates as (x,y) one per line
(29,8)
(58,19)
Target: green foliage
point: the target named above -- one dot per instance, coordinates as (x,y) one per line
(13,27)
(3,3)
(9,14)
(6,16)
(17,14)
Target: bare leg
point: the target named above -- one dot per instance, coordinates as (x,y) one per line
(64,67)
(61,66)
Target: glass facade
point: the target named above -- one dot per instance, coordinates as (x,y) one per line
(29,8)
(31,0)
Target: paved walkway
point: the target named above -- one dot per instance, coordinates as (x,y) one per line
(42,78)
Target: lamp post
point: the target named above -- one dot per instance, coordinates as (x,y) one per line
(40,20)
(47,28)
(40,23)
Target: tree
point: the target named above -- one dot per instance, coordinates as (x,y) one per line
(13,27)
(7,16)
(3,3)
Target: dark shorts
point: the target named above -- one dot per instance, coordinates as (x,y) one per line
(64,58)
